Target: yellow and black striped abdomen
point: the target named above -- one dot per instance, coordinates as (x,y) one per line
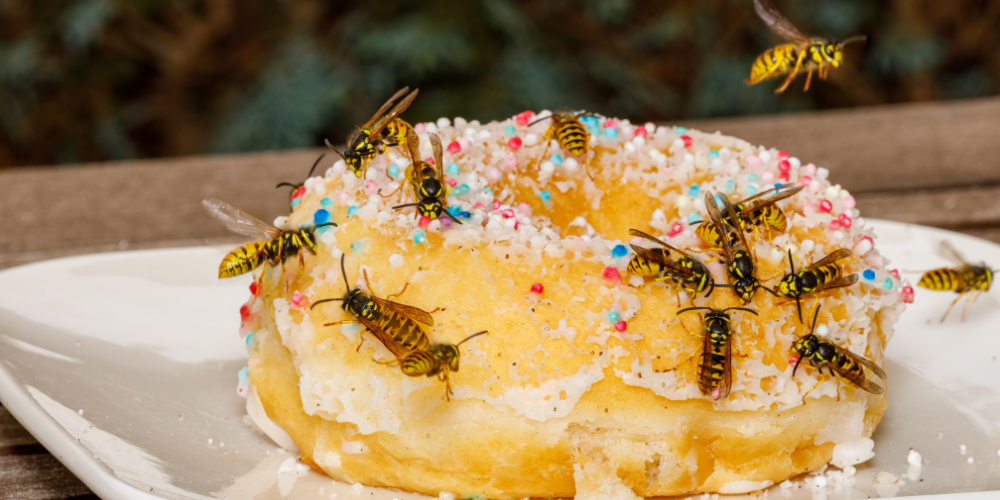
(409,334)
(773,217)
(943,279)
(395,133)
(828,273)
(848,367)
(572,136)
(418,363)
(773,62)
(709,233)
(714,367)
(640,266)
(244,259)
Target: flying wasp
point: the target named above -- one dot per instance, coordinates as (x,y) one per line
(801,53)
(740,265)
(716,376)
(967,278)
(825,274)
(753,212)
(298,190)
(402,329)
(272,247)
(428,181)
(840,362)
(382,131)
(570,133)
(691,275)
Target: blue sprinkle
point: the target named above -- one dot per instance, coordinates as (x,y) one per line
(590,121)
(694,217)
(544,195)
(455,210)
(453,169)
(296,202)
(753,178)
(718,201)
(868,275)
(694,190)
(713,154)
(613,317)
(556,160)
(611,132)
(357,245)
(393,170)
(681,130)
(488,190)
(461,189)
(887,283)
(509,130)
(321,216)
(352,210)
(420,237)
(243,376)
(619,251)
(730,186)
(751,190)
(250,340)
(326,202)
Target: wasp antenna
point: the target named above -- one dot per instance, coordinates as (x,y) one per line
(859,38)
(343,271)
(334,224)
(540,120)
(740,309)
(311,170)
(815,317)
(770,291)
(318,302)
(289,184)
(798,305)
(692,309)
(797,364)
(397,207)
(791,263)
(452,217)
(484,332)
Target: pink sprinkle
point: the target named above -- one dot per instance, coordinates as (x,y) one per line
(342,197)
(621,325)
(445,222)
(907,293)
(894,273)
(419,128)
(810,169)
(834,225)
(299,192)
(767,176)
(524,117)
(298,300)
(809,207)
(785,176)
(717,393)
(782,155)
(244,312)
(253,288)
(825,206)
(525,209)
(640,132)
(783,165)
(844,221)
(464,143)
(454,147)
(687,141)
(675,230)
(510,161)
(424,222)
(494,174)
(814,186)
(754,161)
(507,213)
(806,180)
(496,204)
(480,206)
(610,124)
(371,187)
(537,288)
(849,202)
(514,143)
(451,182)
(794,359)
(517,225)
(611,274)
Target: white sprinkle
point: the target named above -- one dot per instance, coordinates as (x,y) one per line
(970,460)
(962,449)
(358,488)
(395,261)
(884,477)
(629,147)
(639,141)
(443,122)
(79,412)
(470,132)
(683,202)
(794,162)
(678,143)
(822,331)
(530,140)
(444,495)
(484,134)
(570,164)
(914,458)
(210,441)
(281,220)
(822,173)
(430,128)
(460,122)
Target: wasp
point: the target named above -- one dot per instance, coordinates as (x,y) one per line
(402,329)
(740,265)
(382,131)
(716,376)
(427,181)
(841,363)
(825,274)
(691,275)
(272,247)
(570,133)
(754,212)
(298,189)
(967,278)
(802,53)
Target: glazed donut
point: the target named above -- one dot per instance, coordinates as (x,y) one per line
(588,382)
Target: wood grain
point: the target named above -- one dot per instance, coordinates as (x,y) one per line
(28,471)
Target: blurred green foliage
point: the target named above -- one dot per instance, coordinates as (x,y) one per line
(91,80)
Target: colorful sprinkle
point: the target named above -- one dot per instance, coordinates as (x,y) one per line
(894,273)
(321,216)
(537,288)
(244,312)
(509,130)
(694,190)
(451,182)
(453,169)
(621,325)
(753,178)
(298,300)
(687,140)
(250,340)
(352,210)
(544,195)
(507,213)
(454,147)
(524,117)
(849,202)
(357,245)
(460,190)
(611,133)
(782,155)
(612,316)
(253,288)
(510,161)
(296,202)
(619,251)
(694,217)
(424,221)
(907,293)
(806,180)
(887,283)
(514,143)
(326,202)
(478,206)
(420,237)
(419,128)
(556,160)
(718,201)
(243,376)
(751,190)
(640,132)
(868,275)
(825,206)
(675,230)
(844,221)
(445,223)
(497,204)
(713,154)
(784,166)
(834,225)
(730,186)
(611,274)
(680,130)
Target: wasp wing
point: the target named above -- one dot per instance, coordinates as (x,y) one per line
(636,232)
(674,268)
(948,251)
(716,217)
(419,315)
(438,156)
(768,197)
(238,221)
(394,347)
(727,370)
(861,381)
(384,120)
(841,282)
(834,256)
(385,107)
(777,22)
(732,216)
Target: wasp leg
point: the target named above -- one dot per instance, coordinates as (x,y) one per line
(792,74)
(960,295)
(387,363)
(368,283)
(405,182)
(822,378)
(260,284)
(586,163)
(838,388)
(713,259)
(396,295)
(968,302)
(547,137)
(809,77)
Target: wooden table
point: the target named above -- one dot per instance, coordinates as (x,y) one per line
(936,164)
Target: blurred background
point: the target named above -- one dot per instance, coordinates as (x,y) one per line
(95,80)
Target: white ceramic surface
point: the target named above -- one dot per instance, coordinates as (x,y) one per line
(124,366)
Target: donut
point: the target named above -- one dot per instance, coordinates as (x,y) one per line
(588,382)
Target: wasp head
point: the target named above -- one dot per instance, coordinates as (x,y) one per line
(430,208)
(446,355)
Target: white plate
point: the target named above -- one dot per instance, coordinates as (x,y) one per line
(136,340)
